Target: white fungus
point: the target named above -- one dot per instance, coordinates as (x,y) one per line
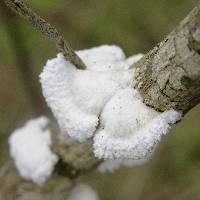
(129,128)
(100,101)
(77,97)
(30,149)
(133,59)
(83,192)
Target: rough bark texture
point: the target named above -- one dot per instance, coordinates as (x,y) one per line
(169,75)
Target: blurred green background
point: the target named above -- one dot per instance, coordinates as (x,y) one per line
(136,26)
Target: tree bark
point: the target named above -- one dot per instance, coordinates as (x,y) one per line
(167,77)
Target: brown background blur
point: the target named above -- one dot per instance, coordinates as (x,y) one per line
(136,26)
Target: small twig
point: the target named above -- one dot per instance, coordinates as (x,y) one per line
(23,10)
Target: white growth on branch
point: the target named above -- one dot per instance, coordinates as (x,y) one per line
(83,192)
(129,128)
(77,97)
(30,149)
(101,102)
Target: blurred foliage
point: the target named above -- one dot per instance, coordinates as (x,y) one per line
(136,26)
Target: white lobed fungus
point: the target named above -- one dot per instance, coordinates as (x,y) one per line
(83,192)
(129,128)
(101,102)
(30,149)
(77,97)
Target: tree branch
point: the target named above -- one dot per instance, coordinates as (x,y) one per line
(169,75)
(76,158)
(23,10)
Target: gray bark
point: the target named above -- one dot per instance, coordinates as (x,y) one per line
(167,77)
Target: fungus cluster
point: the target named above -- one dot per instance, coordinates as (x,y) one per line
(101,103)
(30,149)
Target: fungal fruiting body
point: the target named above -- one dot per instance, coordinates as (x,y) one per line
(101,102)
(77,97)
(30,149)
(138,129)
